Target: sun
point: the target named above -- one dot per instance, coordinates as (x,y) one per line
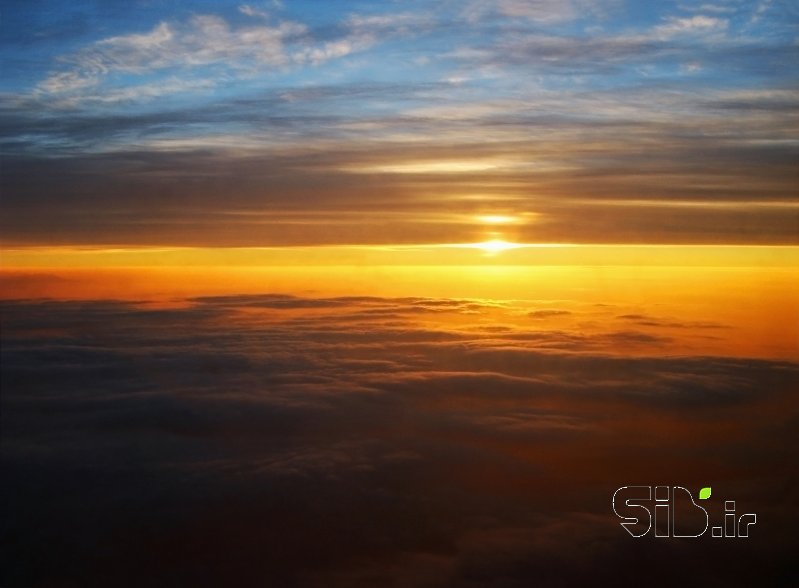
(496,246)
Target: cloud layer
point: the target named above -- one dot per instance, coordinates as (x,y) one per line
(357,441)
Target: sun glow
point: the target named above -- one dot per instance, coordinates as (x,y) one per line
(496,219)
(428,167)
(497,246)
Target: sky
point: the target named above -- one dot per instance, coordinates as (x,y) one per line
(286,123)
(348,294)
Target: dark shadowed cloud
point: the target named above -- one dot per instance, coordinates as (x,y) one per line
(292,441)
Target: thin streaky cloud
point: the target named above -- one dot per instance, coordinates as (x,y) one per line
(601,122)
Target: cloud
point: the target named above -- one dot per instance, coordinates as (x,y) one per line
(650,321)
(67,81)
(722,171)
(282,441)
(204,40)
(209,41)
(539,11)
(254,12)
(699,25)
(363,33)
(548,313)
(761,9)
(239,107)
(718,8)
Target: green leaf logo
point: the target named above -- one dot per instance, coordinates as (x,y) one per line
(704,493)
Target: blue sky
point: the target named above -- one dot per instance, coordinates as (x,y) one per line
(539,107)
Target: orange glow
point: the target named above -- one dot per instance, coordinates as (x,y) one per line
(741,311)
(458,254)
(426,167)
(680,300)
